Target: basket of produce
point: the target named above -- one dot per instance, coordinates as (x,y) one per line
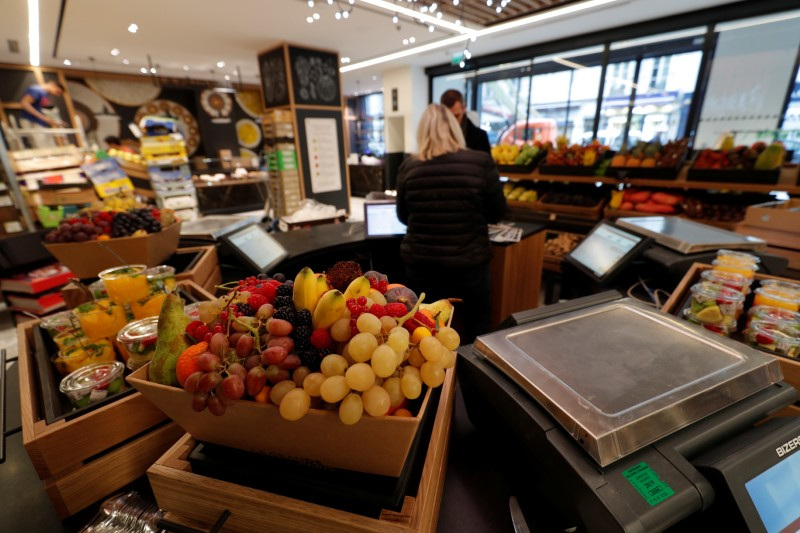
(574,199)
(334,369)
(649,160)
(576,160)
(516,159)
(114,232)
(758,163)
(641,202)
(523,193)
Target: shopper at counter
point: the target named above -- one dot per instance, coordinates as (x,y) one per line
(447,195)
(474,137)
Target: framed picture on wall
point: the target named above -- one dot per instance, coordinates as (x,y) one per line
(274,84)
(315,77)
(321,136)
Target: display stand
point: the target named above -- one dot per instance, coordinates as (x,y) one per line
(168,168)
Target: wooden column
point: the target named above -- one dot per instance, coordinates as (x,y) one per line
(516,276)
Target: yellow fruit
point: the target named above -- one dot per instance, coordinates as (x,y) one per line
(328,310)
(305,294)
(358,287)
(710,314)
(420,333)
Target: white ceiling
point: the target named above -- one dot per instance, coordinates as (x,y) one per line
(198,33)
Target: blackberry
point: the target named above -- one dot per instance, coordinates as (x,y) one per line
(284,301)
(302,337)
(279,277)
(303,318)
(322,352)
(284,313)
(284,290)
(309,358)
(245,309)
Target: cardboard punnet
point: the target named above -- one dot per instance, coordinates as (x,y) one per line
(86,259)
(373,445)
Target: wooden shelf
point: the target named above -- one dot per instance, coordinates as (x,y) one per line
(787,182)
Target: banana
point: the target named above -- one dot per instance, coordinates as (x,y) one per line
(322,285)
(440,310)
(358,287)
(305,293)
(330,308)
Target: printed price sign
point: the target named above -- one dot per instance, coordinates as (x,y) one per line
(647,483)
(107,177)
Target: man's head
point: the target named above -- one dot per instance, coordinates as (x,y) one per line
(53,88)
(454,101)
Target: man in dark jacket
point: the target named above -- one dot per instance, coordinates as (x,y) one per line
(476,138)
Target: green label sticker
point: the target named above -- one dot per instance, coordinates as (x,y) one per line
(645,480)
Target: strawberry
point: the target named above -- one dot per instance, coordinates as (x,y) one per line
(762,338)
(396,309)
(256,300)
(378,310)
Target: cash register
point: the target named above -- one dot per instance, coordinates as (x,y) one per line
(624,418)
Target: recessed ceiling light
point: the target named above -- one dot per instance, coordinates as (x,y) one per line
(374,78)
(227,78)
(395,19)
(133,28)
(220,64)
(186,67)
(345,59)
(430,29)
(67,62)
(337,15)
(405,41)
(152,70)
(115,52)
(498,9)
(126,61)
(455,2)
(316,16)
(143,70)
(345,14)
(412,40)
(309,19)
(310,3)
(439,15)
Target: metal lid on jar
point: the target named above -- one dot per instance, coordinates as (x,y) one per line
(139,330)
(89,377)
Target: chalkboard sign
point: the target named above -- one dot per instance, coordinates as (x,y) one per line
(321,136)
(273,78)
(315,77)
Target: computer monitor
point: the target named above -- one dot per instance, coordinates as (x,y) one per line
(606,251)
(257,248)
(380,220)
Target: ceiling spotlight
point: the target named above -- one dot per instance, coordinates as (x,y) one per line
(310,3)
(351,2)
(316,16)
(430,28)
(345,60)
(488,2)
(115,52)
(405,41)
(458,22)
(227,78)
(473,39)
(133,28)
(186,67)
(330,2)
(126,61)
(309,19)
(462,64)
(374,78)
(395,19)
(152,70)
(455,2)
(345,14)
(467,53)
(337,15)
(143,70)
(439,15)
(412,40)
(220,64)
(434,6)
(498,9)
(67,62)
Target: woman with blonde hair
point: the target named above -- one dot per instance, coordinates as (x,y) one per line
(447,195)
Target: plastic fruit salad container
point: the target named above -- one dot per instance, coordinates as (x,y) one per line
(93,383)
(138,341)
(780,338)
(714,303)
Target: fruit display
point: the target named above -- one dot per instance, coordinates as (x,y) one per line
(512,154)
(302,344)
(645,201)
(520,191)
(575,155)
(758,160)
(651,155)
(124,155)
(561,244)
(727,208)
(103,225)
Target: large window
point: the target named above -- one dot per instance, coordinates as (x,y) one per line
(791,120)
(617,92)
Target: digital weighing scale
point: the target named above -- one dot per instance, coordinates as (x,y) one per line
(634,420)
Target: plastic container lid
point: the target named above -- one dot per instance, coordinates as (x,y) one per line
(192,310)
(159,272)
(60,321)
(782,286)
(125,270)
(732,280)
(707,291)
(139,330)
(781,339)
(733,255)
(768,313)
(93,381)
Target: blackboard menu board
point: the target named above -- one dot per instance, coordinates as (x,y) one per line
(321,136)
(315,77)
(273,78)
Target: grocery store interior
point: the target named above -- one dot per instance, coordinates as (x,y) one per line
(216,243)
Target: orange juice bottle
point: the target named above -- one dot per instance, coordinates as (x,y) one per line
(126,283)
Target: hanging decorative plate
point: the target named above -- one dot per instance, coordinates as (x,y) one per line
(218,105)
(250,102)
(248,133)
(125,92)
(186,122)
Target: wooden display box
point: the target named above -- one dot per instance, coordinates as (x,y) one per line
(88,457)
(178,490)
(775,216)
(594,212)
(205,271)
(673,306)
(86,259)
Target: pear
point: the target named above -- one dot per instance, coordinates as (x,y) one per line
(171,342)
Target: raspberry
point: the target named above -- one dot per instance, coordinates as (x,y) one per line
(396,309)
(362,301)
(373,283)
(269,292)
(256,300)
(321,338)
(378,310)
(191,327)
(383,286)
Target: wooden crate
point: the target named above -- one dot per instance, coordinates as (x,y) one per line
(178,492)
(86,458)
(205,272)
(790,367)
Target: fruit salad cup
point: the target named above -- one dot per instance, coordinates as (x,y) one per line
(125,284)
(722,328)
(778,296)
(777,315)
(93,383)
(777,338)
(733,256)
(161,278)
(150,306)
(63,322)
(86,353)
(70,338)
(100,319)
(732,280)
(193,310)
(715,304)
(137,342)
(98,290)
(748,270)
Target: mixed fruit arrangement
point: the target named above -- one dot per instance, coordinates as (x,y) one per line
(512,154)
(343,340)
(516,191)
(651,155)
(759,156)
(575,155)
(633,199)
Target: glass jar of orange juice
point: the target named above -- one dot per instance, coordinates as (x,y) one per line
(125,284)
(101,318)
(150,306)
(778,296)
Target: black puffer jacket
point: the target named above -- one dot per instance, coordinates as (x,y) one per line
(446,203)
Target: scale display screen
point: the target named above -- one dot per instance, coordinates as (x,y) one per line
(776,495)
(605,250)
(256,247)
(380,220)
